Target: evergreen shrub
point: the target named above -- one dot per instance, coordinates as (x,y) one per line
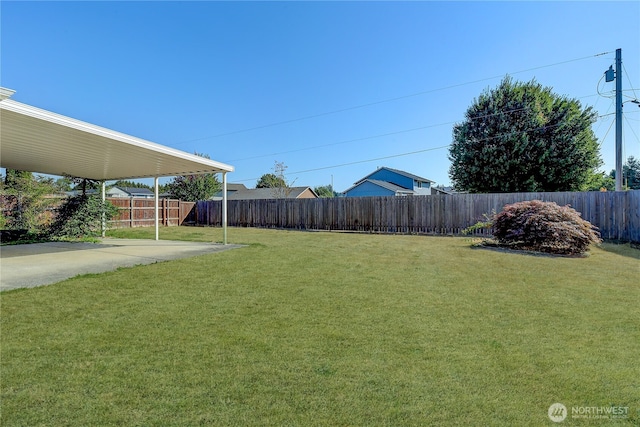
(81,216)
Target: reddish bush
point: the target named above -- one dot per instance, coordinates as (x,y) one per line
(544,227)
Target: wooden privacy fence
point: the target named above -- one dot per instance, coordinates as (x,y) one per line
(140,212)
(616,214)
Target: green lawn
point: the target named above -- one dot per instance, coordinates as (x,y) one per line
(327,329)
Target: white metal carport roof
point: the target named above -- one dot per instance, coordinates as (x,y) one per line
(40,141)
(37,140)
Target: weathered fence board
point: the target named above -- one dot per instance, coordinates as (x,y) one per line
(140,212)
(616,214)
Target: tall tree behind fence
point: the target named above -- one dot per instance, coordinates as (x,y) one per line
(616,214)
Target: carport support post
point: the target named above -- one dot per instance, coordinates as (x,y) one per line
(104,198)
(224,208)
(155,184)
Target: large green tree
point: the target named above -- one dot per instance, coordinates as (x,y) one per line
(523,137)
(270,180)
(192,188)
(600,182)
(325,191)
(277,181)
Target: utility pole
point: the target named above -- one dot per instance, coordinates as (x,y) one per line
(610,76)
(618,119)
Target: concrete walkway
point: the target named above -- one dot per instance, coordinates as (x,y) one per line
(26,266)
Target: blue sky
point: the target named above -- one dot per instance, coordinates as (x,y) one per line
(332,89)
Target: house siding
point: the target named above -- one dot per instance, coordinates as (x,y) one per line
(392,177)
(424,191)
(420,187)
(367,189)
(116,192)
(130,192)
(389,182)
(307,194)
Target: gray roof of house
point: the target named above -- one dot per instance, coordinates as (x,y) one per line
(390,186)
(450,189)
(264,193)
(235,187)
(136,190)
(437,190)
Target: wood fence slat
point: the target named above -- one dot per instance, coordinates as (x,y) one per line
(616,214)
(139,212)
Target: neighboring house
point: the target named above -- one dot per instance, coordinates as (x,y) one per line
(74,193)
(117,192)
(130,192)
(391,182)
(445,189)
(270,193)
(231,189)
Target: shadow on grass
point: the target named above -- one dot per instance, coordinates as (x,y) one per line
(619,248)
(525,252)
(623,249)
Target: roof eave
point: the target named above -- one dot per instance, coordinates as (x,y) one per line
(191,164)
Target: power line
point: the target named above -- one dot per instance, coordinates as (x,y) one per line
(595,105)
(374,136)
(424,150)
(377,136)
(342,110)
(373,160)
(342,142)
(358,162)
(413,152)
(598,89)
(605,135)
(631,127)
(629,80)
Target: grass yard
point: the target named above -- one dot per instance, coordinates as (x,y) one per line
(327,329)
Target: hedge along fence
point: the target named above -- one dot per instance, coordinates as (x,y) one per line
(616,214)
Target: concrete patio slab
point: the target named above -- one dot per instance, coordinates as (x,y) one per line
(26,266)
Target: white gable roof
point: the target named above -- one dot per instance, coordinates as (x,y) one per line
(37,140)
